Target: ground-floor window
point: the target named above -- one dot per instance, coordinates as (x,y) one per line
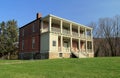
(54,43)
(60,54)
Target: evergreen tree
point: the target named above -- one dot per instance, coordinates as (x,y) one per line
(8,37)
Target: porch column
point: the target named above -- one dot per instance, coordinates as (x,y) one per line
(92,41)
(85,33)
(86,46)
(61,26)
(61,42)
(91,34)
(92,46)
(50,22)
(79,48)
(41,26)
(79,44)
(71,43)
(79,31)
(70,28)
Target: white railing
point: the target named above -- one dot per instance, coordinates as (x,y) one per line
(63,49)
(75,34)
(89,50)
(44,30)
(85,54)
(66,32)
(82,35)
(88,37)
(83,50)
(57,30)
(66,49)
(75,50)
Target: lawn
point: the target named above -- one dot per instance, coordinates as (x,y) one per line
(108,67)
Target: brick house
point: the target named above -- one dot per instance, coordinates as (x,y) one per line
(54,37)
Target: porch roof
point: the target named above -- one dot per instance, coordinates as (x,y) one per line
(65,20)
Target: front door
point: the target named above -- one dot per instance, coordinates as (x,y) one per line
(66,46)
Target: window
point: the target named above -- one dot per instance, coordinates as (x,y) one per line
(22,44)
(33,27)
(89,45)
(33,43)
(54,43)
(23,32)
(60,54)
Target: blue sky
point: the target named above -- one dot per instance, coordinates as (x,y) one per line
(81,11)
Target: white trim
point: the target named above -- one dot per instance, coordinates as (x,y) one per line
(61,26)
(50,23)
(70,28)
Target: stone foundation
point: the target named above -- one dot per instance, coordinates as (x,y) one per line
(27,56)
(50,55)
(66,55)
(91,54)
(53,55)
(44,55)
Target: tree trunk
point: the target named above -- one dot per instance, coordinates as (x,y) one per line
(8,55)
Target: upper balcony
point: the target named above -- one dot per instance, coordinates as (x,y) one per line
(67,32)
(64,27)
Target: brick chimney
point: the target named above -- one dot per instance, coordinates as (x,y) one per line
(38,15)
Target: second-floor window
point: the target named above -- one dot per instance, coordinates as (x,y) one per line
(33,42)
(23,32)
(22,44)
(33,27)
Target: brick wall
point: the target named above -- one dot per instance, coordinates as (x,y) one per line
(28,35)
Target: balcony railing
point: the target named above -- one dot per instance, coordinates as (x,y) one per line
(57,30)
(82,35)
(66,32)
(44,30)
(88,37)
(75,34)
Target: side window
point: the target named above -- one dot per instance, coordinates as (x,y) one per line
(23,31)
(33,43)
(22,44)
(33,27)
(54,43)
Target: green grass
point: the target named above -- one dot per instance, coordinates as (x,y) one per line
(61,68)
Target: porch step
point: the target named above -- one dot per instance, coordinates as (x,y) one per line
(75,54)
(83,55)
(80,54)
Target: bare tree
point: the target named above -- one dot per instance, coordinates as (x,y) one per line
(107,36)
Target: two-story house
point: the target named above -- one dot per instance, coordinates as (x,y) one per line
(54,37)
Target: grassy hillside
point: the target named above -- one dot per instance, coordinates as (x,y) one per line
(61,68)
